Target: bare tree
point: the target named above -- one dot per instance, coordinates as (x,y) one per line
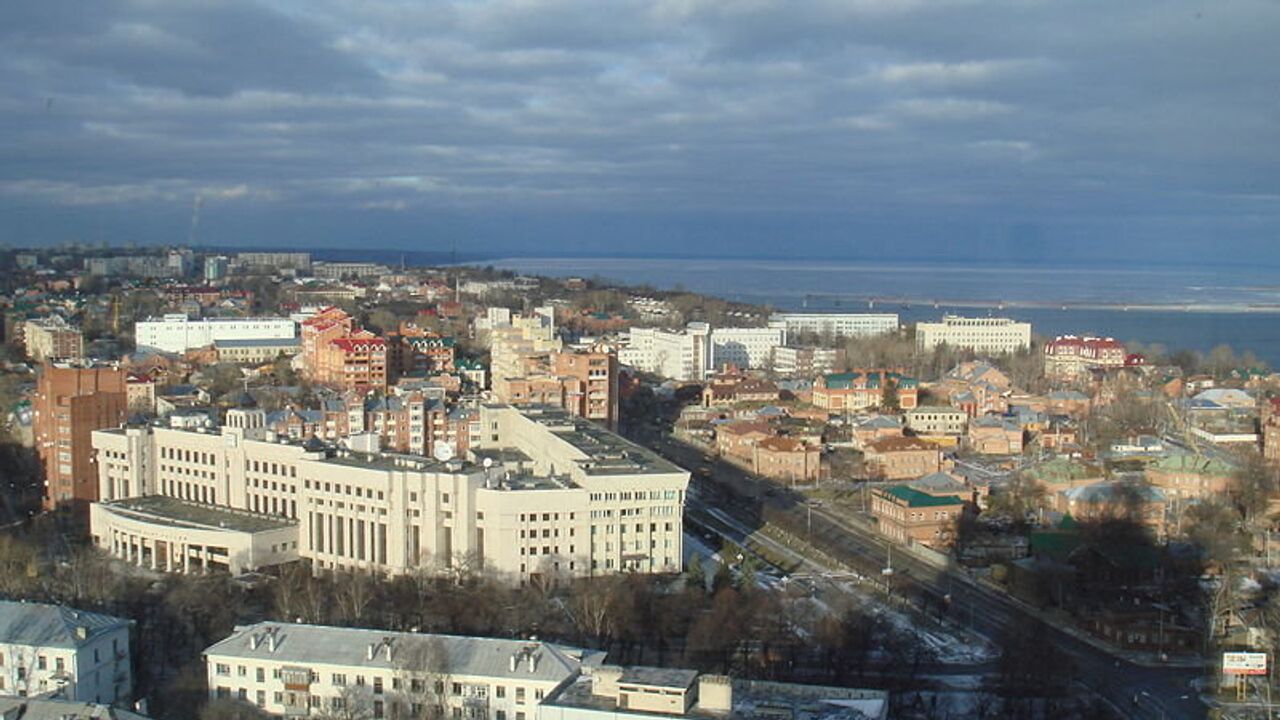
(423,666)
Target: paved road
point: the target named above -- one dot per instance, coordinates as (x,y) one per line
(1138,690)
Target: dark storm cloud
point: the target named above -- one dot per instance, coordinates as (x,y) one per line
(542,125)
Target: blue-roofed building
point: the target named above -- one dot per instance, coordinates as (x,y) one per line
(57,650)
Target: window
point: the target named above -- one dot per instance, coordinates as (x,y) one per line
(339,679)
(261,675)
(500,691)
(520,696)
(42,663)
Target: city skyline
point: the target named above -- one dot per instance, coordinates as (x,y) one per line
(958,130)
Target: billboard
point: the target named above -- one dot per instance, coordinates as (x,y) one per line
(1244,663)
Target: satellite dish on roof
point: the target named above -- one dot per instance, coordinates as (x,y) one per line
(488,463)
(442,452)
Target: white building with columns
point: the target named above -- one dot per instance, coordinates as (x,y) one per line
(541,494)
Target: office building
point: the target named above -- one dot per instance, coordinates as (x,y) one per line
(558,496)
(837,325)
(73,400)
(297,670)
(177,333)
(994,336)
(1068,357)
(53,649)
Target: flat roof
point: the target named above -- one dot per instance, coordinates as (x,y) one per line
(658,677)
(183,513)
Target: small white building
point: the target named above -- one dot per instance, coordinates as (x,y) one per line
(177,333)
(56,650)
(297,670)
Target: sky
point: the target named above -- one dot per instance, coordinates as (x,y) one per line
(1134,132)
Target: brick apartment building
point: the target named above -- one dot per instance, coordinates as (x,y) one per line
(72,400)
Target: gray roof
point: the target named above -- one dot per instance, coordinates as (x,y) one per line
(258,342)
(53,709)
(325,645)
(42,625)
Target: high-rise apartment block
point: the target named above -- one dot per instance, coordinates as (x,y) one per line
(982,335)
(72,401)
(539,494)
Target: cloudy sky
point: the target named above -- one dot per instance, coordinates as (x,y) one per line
(1132,130)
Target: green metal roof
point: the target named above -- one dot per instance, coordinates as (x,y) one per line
(915,498)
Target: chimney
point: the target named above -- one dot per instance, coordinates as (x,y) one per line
(515,659)
(369,654)
(253,641)
(386,643)
(532,660)
(82,632)
(271,640)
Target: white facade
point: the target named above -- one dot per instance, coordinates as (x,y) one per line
(838,324)
(297,670)
(747,348)
(983,335)
(49,648)
(562,497)
(683,355)
(177,333)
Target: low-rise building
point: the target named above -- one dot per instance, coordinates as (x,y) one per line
(982,335)
(1071,358)
(298,670)
(934,421)
(994,435)
(901,458)
(256,351)
(861,389)
(177,333)
(610,692)
(1185,475)
(905,513)
(79,655)
(787,460)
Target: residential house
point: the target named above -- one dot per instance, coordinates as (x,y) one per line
(907,514)
(994,435)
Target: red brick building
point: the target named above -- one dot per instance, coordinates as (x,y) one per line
(72,400)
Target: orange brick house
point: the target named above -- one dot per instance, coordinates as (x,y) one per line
(901,458)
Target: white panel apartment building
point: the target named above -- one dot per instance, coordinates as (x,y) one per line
(176,333)
(561,496)
(983,335)
(838,324)
(49,648)
(298,670)
(747,348)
